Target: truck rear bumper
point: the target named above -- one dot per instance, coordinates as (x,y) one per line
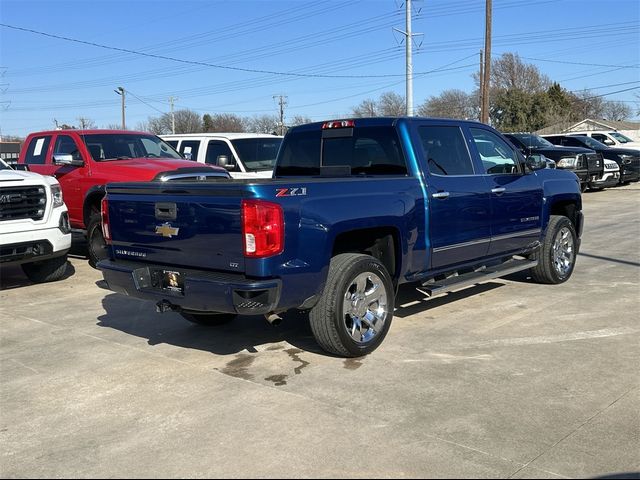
(196,290)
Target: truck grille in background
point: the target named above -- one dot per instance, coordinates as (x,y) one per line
(18,203)
(594,161)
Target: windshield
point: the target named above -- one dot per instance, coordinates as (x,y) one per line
(120,146)
(257,153)
(533,140)
(620,137)
(591,143)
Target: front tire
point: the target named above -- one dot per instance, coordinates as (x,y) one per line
(355,310)
(557,255)
(96,245)
(46,270)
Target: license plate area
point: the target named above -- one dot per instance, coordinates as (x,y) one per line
(168,281)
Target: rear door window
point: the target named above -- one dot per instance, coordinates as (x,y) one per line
(445,150)
(37,150)
(190,146)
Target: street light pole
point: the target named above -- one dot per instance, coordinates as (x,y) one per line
(120,91)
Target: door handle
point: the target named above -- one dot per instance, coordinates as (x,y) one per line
(441,195)
(498,190)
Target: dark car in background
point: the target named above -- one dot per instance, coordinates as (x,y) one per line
(587,164)
(627,159)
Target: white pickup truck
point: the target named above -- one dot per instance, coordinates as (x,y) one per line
(244,155)
(34,224)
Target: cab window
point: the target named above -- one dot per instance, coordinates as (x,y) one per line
(217,148)
(65,145)
(445,151)
(497,156)
(37,150)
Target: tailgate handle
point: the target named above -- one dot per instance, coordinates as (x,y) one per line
(166,211)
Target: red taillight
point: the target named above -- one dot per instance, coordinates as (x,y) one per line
(262,228)
(104,213)
(338,124)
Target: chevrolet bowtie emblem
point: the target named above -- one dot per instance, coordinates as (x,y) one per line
(166,230)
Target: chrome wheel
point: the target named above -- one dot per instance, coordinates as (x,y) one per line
(563,252)
(365,307)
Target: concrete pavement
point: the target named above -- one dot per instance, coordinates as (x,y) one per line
(508,379)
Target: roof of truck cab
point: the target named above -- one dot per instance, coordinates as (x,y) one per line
(230,136)
(91,132)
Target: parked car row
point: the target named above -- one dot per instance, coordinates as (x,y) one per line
(448,204)
(596,165)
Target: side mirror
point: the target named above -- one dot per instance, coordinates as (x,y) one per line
(608,141)
(536,162)
(67,159)
(226,162)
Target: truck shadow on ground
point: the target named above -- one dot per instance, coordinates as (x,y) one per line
(246,333)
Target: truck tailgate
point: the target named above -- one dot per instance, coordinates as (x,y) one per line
(184,225)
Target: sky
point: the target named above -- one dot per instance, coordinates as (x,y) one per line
(61,60)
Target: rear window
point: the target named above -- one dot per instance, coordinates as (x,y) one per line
(369,151)
(37,150)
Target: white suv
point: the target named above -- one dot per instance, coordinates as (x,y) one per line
(34,224)
(610,138)
(244,155)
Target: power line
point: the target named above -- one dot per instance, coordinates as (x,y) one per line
(190,62)
(580,63)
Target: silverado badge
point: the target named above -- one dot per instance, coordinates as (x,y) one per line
(166,230)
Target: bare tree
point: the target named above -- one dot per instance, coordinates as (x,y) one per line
(392,105)
(143,126)
(614,110)
(450,104)
(262,123)
(225,122)
(85,123)
(366,108)
(299,120)
(186,121)
(113,126)
(509,72)
(586,104)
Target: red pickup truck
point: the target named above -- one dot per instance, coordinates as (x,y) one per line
(84,161)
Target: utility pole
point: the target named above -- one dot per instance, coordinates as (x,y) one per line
(173,117)
(282,101)
(480,89)
(120,91)
(484,118)
(409,60)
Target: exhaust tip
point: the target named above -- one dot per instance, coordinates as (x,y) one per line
(273,318)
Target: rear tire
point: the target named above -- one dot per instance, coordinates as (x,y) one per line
(96,245)
(208,319)
(355,310)
(46,270)
(557,255)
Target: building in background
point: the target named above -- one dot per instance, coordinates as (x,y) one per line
(10,151)
(629,129)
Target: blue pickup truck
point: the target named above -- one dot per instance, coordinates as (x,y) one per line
(354,209)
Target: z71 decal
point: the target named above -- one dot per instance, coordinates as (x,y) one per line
(291,192)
